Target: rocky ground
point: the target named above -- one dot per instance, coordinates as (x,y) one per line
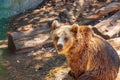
(43,63)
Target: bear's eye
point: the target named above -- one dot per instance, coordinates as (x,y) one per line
(66,39)
(56,38)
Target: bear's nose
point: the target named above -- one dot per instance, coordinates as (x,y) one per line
(59,46)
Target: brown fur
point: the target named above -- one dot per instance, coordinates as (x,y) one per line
(90,57)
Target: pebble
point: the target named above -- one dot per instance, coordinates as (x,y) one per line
(18,61)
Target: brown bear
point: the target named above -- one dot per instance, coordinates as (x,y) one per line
(89,56)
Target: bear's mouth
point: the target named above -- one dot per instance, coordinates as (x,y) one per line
(59,49)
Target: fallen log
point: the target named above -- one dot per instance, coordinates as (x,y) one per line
(112,7)
(108,28)
(31,41)
(18,41)
(18,35)
(29,49)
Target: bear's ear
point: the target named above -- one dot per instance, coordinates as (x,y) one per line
(74,28)
(55,24)
(92,29)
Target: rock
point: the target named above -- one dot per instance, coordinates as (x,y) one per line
(115,42)
(60,73)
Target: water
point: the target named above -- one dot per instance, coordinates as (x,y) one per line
(3,28)
(3,50)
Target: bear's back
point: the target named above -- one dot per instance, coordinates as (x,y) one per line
(109,58)
(109,50)
(113,55)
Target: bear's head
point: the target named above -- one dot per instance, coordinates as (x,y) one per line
(64,36)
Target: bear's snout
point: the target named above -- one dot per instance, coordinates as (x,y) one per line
(59,47)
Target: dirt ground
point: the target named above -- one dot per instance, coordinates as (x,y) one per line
(42,16)
(41,64)
(38,64)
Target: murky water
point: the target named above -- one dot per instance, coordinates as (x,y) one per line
(3,49)
(3,28)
